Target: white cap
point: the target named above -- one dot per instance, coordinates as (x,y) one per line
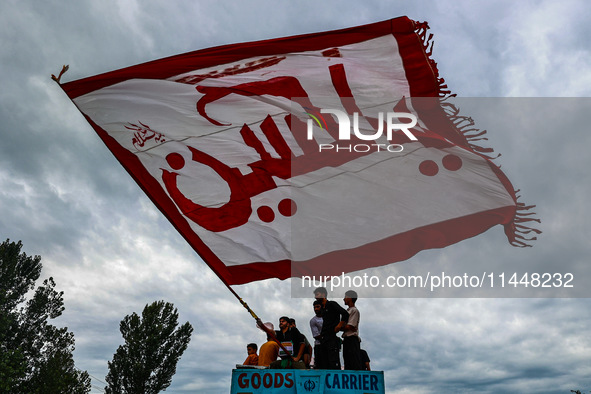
(268,325)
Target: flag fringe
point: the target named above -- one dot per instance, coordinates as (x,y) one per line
(464,125)
(517,231)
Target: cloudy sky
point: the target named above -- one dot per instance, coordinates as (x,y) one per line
(111,251)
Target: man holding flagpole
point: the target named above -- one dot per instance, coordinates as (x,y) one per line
(292,346)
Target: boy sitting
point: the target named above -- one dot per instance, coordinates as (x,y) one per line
(252,358)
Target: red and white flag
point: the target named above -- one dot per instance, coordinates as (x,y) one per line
(238,147)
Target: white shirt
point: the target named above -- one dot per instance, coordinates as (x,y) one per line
(316,327)
(353,321)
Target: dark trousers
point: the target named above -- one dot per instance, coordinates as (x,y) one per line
(327,354)
(352,353)
(318,356)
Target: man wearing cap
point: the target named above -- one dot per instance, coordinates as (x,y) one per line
(351,348)
(269,350)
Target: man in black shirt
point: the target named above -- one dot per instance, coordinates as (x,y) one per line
(291,339)
(334,318)
(307,347)
(365,361)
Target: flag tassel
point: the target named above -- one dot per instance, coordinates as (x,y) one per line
(463,126)
(518,229)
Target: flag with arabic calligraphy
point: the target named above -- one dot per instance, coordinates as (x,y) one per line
(239,149)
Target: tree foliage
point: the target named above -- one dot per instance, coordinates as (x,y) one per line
(146,362)
(35,356)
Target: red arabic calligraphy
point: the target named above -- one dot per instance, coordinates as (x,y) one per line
(144,133)
(238,209)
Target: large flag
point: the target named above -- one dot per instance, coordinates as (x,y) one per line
(314,154)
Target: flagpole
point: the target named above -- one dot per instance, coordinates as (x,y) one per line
(259,322)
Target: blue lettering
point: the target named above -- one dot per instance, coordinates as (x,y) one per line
(343,381)
(353,382)
(374,382)
(346,382)
(335,382)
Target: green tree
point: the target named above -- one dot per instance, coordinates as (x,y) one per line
(35,356)
(146,362)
